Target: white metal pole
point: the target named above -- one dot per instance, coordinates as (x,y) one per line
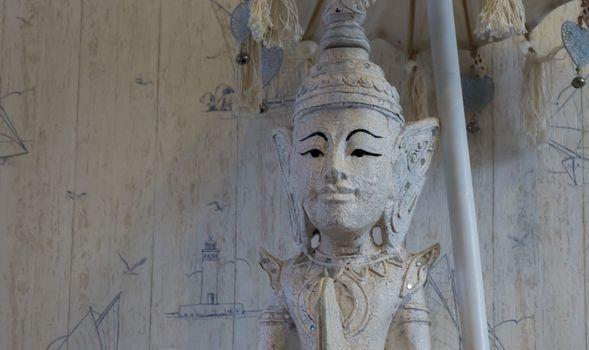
(454,144)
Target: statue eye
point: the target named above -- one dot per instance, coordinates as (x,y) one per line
(315,153)
(361,153)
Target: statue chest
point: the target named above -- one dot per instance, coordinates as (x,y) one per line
(366,298)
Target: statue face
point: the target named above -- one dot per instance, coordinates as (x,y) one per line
(341,169)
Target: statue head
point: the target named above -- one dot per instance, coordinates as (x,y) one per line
(351,163)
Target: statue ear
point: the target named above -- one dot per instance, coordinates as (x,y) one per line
(416,145)
(283,143)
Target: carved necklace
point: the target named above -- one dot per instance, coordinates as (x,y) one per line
(354,261)
(349,272)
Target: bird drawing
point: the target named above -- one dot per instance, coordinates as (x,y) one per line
(130,270)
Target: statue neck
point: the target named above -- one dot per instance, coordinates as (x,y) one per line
(361,246)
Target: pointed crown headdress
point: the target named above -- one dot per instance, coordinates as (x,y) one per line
(344,75)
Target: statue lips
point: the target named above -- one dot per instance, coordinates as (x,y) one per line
(332,193)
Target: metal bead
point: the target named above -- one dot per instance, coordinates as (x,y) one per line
(312,328)
(242,58)
(578,82)
(473,127)
(409,286)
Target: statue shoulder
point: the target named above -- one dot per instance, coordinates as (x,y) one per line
(277,268)
(416,266)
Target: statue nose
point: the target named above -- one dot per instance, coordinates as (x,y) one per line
(336,170)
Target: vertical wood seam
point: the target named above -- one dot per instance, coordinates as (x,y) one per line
(493,191)
(155,172)
(236,223)
(76,131)
(3,24)
(583,212)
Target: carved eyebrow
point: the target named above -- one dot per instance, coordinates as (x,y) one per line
(318,133)
(364,131)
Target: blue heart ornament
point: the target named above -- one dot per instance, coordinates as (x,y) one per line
(239,22)
(575,40)
(477,92)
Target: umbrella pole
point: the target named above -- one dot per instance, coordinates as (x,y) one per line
(454,144)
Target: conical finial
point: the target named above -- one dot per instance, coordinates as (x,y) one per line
(343,21)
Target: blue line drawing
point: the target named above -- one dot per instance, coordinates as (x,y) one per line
(209,305)
(130,269)
(220,100)
(442,300)
(11,144)
(568,135)
(96,331)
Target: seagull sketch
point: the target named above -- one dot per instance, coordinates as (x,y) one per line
(131,269)
(193,273)
(217,206)
(238,260)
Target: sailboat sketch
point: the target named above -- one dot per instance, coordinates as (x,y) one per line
(96,331)
(11,144)
(442,300)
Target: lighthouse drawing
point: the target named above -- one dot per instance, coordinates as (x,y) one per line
(210,273)
(209,305)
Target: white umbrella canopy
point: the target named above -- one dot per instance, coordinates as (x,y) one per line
(403,23)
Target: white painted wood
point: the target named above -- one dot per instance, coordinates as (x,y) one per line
(191,205)
(115,160)
(40,60)
(150,148)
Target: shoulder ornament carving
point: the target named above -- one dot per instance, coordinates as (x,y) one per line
(416,273)
(273,267)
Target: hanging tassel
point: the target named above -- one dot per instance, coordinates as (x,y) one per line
(260,21)
(500,18)
(535,94)
(275,22)
(251,92)
(415,93)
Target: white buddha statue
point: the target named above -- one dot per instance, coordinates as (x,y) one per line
(353,171)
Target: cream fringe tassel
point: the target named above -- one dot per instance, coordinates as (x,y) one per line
(499,18)
(535,95)
(251,92)
(275,22)
(415,93)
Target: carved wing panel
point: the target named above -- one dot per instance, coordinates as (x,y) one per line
(417,144)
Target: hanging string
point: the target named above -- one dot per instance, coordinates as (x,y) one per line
(249,61)
(478,66)
(584,13)
(415,92)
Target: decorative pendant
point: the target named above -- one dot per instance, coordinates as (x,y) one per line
(575,40)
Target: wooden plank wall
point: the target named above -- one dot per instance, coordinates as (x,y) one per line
(138,159)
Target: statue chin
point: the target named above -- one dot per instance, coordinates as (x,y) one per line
(342,222)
